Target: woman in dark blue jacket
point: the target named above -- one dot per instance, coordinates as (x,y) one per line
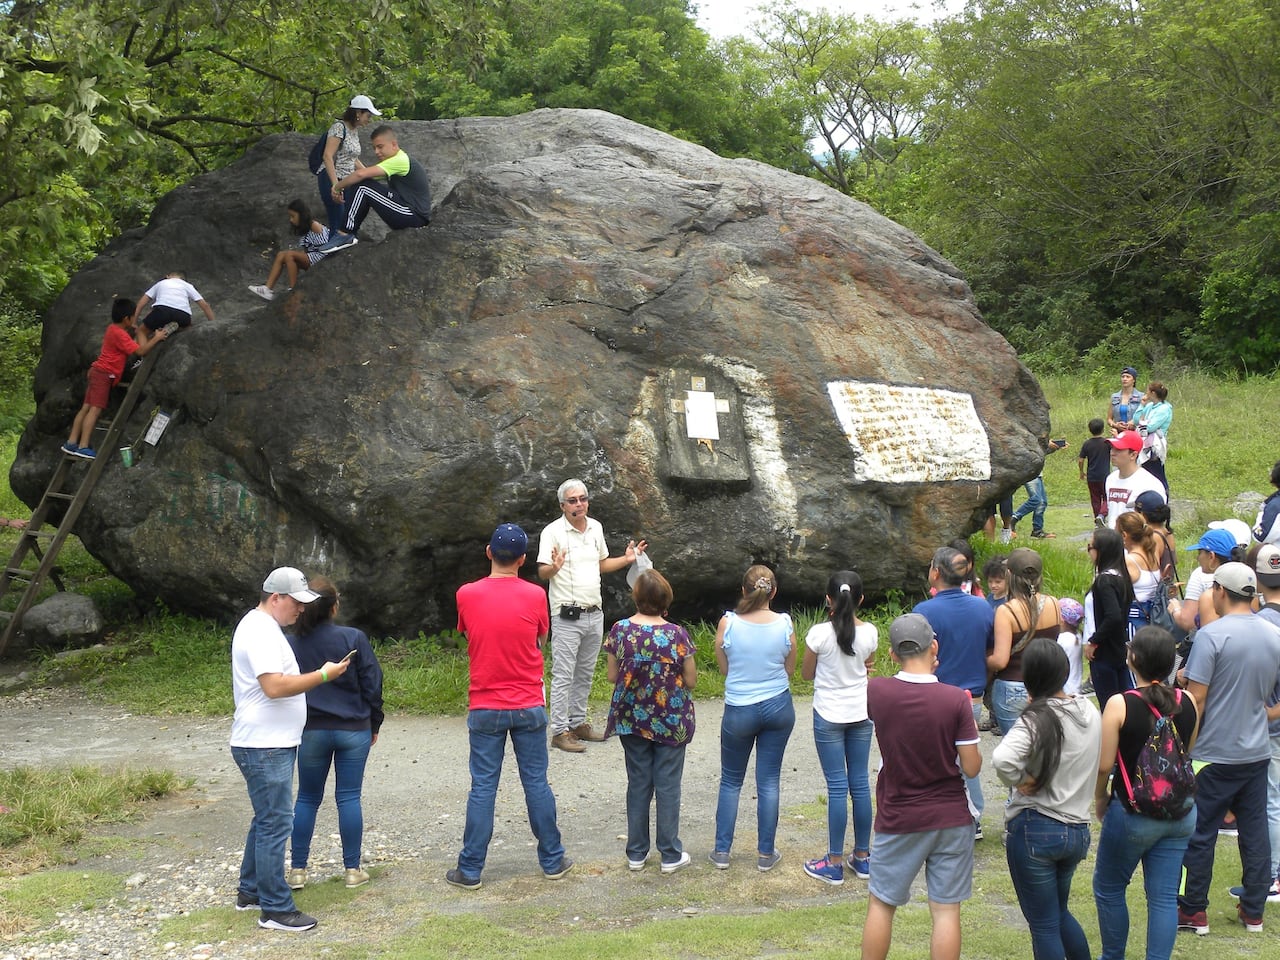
(343,719)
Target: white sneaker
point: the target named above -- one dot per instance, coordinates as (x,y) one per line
(265,292)
(680,864)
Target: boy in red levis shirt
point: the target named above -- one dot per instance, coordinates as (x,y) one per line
(117,346)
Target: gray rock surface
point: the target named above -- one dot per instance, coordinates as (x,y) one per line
(65,620)
(580,276)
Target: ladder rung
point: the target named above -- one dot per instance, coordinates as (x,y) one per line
(60,496)
(19,572)
(41,534)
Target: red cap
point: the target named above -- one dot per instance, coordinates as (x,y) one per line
(1128,440)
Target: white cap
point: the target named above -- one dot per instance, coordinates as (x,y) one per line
(1237,528)
(361,102)
(289,580)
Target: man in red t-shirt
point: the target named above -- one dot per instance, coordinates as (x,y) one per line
(504,619)
(928,740)
(117,346)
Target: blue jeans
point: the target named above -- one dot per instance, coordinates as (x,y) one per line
(843,751)
(1035,504)
(1242,788)
(1008,697)
(335,210)
(1043,854)
(1126,839)
(766,725)
(1273,804)
(974,784)
(654,770)
(488,731)
(268,773)
(347,750)
(1108,680)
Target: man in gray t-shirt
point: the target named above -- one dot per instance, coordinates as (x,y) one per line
(1232,670)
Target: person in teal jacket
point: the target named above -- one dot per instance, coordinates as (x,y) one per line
(1153,418)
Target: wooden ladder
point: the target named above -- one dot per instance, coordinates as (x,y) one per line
(62,491)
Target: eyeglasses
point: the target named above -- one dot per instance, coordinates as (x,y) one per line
(573,500)
(1090,546)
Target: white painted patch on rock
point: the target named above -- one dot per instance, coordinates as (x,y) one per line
(911,434)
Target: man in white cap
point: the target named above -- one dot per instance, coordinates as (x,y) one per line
(1232,671)
(271,711)
(1128,479)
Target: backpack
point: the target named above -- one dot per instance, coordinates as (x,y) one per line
(315,159)
(1163,785)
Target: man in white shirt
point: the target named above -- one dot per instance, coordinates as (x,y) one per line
(1128,479)
(572,555)
(271,710)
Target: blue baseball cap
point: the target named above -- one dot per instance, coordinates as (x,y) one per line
(1215,541)
(508,543)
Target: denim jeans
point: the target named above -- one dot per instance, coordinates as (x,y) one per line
(335,210)
(844,750)
(347,750)
(767,726)
(488,731)
(1043,854)
(1108,680)
(575,648)
(1273,805)
(977,803)
(1008,697)
(654,771)
(1127,839)
(1035,504)
(268,773)
(1242,788)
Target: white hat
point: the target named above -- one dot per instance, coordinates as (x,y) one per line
(1237,528)
(361,102)
(289,580)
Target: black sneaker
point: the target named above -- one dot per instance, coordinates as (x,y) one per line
(459,879)
(559,871)
(294,921)
(246,902)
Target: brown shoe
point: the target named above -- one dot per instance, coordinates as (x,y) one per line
(583,731)
(568,742)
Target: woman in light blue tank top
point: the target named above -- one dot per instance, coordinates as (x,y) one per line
(756,652)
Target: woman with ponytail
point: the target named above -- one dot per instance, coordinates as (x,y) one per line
(1048,759)
(1027,615)
(837,655)
(1129,837)
(756,652)
(343,719)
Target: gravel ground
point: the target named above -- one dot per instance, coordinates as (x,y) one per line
(184,855)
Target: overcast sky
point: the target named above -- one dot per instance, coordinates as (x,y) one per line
(726,18)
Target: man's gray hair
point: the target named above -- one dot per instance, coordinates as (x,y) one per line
(572,484)
(952,566)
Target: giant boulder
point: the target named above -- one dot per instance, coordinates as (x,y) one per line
(742,364)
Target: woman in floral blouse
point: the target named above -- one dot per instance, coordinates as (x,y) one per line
(651,666)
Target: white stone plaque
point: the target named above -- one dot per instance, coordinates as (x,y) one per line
(911,434)
(700,415)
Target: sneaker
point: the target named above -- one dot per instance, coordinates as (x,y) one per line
(246,902)
(556,873)
(568,743)
(1273,894)
(720,860)
(825,870)
(459,879)
(296,877)
(977,830)
(1043,535)
(86,453)
(294,921)
(70,447)
(356,878)
(767,861)
(637,865)
(170,328)
(861,866)
(1099,521)
(1251,924)
(339,241)
(986,723)
(1006,536)
(680,864)
(265,292)
(1196,923)
(583,731)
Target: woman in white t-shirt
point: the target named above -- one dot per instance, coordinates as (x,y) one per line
(837,656)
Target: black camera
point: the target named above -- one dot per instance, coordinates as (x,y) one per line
(570,611)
